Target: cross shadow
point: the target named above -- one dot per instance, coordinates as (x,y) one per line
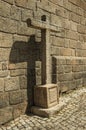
(28,52)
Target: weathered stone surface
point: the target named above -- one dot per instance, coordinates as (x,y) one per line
(0,66)
(4,11)
(7,25)
(56,20)
(23,82)
(9,1)
(4,66)
(3,73)
(15,97)
(26,14)
(6,40)
(24,30)
(4,56)
(19,109)
(5,115)
(65,52)
(4,100)
(43,95)
(24,93)
(55,51)
(59,42)
(21,51)
(81,29)
(22,3)
(11,84)
(65,77)
(17,72)
(15,13)
(1,85)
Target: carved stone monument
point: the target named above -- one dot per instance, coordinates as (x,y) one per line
(46,95)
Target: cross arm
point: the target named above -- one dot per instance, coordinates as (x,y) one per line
(41,25)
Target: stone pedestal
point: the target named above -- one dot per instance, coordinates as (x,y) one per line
(45,97)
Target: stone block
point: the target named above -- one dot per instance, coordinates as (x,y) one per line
(15,97)
(64,86)
(72,35)
(67,68)
(79,83)
(78,68)
(46,6)
(74,17)
(74,8)
(66,24)
(22,3)
(60,61)
(81,29)
(23,29)
(46,95)
(38,80)
(73,44)
(4,66)
(3,73)
(4,100)
(23,82)
(73,26)
(8,25)
(55,50)
(65,52)
(6,54)
(1,85)
(38,64)
(24,93)
(67,4)
(5,115)
(11,84)
(26,14)
(19,109)
(77,75)
(11,66)
(17,72)
(59,42)
(19,38)
(15,13)
(65,77)
(56,20)
(4,11)
(60,69)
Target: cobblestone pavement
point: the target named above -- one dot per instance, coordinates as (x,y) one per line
(72,117)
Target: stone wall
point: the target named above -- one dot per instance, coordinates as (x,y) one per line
(20,50)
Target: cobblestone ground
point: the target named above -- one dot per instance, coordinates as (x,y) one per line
(72,117)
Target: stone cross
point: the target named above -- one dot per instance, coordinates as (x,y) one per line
(46,58)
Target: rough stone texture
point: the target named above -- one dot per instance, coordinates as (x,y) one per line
(1,85)
(4,100)
(46,96)
(11,84)
(5,115)
(21,50)
(70,116)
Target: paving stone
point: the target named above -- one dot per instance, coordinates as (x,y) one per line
(71,117)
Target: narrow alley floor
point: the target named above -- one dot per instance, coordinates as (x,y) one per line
(71,117)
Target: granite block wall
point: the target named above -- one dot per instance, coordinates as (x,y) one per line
(20,50)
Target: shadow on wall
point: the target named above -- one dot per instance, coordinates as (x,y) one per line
(28,52)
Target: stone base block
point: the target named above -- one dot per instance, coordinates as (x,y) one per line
(46,96)
(49,112)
